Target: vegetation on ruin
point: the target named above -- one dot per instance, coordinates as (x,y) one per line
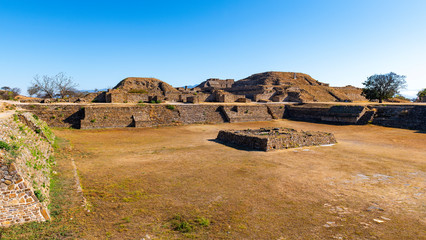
(383,86)
(143,91)
(64,207)
(4,145)
(171,107)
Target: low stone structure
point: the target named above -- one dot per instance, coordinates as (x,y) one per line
(267,139)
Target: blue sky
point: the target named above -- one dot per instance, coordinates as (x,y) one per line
(99,43)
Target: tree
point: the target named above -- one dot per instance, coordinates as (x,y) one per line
(58,85)
(383,86)
(422,93)
(9,93)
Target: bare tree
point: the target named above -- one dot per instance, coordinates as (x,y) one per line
(65,86)
(59,85)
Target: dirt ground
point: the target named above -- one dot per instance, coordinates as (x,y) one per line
(177,182)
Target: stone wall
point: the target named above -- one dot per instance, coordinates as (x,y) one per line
(401,116)
(246,113)
(150,115)
(398,116)
(343,114)
(25,164)
(58,115)
(132,115)
(267,139)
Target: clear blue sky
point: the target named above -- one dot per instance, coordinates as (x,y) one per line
(99,43)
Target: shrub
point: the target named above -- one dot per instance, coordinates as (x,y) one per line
(39,195)
(4,146)
(203,222)
(171,107)
(138,91)
(35,117)
(181,225)
(93,120)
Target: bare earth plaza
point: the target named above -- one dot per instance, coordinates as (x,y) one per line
(272,120)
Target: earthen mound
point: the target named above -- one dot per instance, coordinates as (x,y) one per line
(149,85)
(290,86)
(278,78)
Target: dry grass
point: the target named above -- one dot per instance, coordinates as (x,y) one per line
(153,180)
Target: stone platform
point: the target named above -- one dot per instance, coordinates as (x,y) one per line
(267,139)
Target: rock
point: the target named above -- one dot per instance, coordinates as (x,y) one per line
(372,208)
(12,167)
(330,224)
(44,213)
(378,220)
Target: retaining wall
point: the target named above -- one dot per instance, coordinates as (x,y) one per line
(131,115)
(25,163)
(401,116)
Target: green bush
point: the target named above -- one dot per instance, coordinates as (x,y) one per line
(138,91)
(171,107)
(4,146)
(39,195)
(93,120)
(181,225)
(203,222)
(35,117)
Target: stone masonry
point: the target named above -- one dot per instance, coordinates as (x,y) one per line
(25,161)
(267,139)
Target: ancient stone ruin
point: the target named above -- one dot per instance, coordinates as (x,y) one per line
(25,165)
(260,87)
(267,139)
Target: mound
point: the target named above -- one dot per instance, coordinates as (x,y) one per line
(290,86)
(278,78)
(149,85)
